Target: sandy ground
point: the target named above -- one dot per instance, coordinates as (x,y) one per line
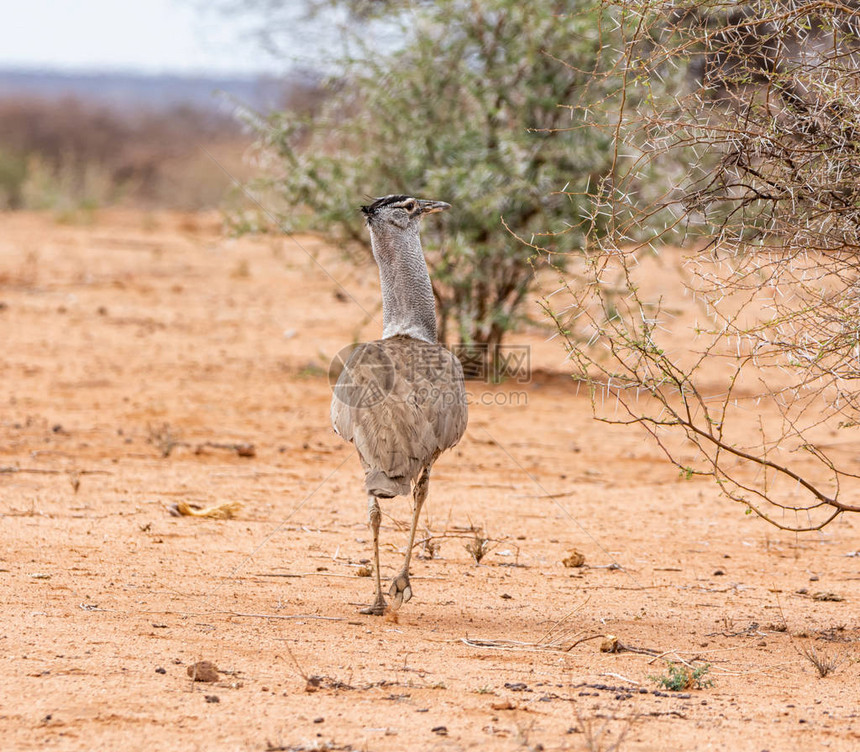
(144,335)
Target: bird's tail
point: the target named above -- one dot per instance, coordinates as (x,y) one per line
(382,486)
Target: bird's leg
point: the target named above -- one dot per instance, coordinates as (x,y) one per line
(401,590)
(374,517)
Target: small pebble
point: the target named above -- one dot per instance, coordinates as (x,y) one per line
(516,686)
(160,670)
(574,559)
(203,671)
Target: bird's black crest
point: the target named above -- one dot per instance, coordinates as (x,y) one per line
(384,201)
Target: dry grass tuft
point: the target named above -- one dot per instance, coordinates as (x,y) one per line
(164,438)
(74,479)
(598,738)
(478,548)
(825,664)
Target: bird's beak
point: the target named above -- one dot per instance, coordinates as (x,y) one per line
(431,207)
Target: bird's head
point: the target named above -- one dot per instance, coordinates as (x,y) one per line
(400,212)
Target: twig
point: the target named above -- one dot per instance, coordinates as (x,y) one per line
(242,449)
(506,645)
(446,536)
(302,672)
(584,639)
(619,676)
(658,713)
(334,574)
(564,618)
(284,616)
(276,574)
(658,656)
(10,469)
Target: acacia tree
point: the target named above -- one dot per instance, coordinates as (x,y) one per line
(464,108)
(759,158)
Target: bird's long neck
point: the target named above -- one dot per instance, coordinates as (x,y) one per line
(408,305)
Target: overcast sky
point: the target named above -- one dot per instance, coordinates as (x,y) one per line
(152,36)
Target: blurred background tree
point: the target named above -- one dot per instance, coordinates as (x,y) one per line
(466,106)
(72,153)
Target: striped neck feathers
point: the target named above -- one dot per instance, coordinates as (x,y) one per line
(408,305)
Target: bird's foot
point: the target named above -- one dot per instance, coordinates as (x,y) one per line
(400,590)
(377,608)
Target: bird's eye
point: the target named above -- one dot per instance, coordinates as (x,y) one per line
(410,206)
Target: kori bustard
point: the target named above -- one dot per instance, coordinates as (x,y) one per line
(401,399)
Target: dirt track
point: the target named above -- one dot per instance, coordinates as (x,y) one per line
(142,334)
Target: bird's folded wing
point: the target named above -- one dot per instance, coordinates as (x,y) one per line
(401,402)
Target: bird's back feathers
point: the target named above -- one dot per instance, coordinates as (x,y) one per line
(401,401)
